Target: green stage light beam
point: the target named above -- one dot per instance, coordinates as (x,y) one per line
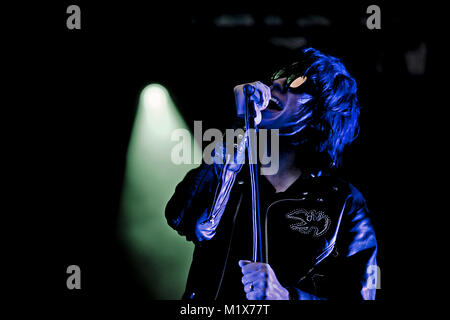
(161,256)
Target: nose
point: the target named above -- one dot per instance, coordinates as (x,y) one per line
(278,85)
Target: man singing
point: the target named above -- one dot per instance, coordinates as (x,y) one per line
(318,242)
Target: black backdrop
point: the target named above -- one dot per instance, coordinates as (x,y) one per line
(81,89)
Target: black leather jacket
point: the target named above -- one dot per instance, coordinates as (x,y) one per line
(317,234)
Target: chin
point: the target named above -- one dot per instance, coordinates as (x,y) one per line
(266,125)
(270,123)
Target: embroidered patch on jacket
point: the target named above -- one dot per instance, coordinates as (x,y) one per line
(315,222)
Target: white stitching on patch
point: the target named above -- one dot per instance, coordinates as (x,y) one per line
(305,218)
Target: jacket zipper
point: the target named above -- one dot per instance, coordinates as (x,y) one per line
(229,246)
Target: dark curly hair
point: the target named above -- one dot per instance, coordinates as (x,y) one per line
(335,107)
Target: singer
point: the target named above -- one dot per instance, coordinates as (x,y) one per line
(316,236)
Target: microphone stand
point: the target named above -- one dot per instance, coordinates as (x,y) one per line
(249,117)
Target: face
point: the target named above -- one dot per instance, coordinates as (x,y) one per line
(286,110)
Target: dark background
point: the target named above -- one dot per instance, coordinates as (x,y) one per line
(80,90)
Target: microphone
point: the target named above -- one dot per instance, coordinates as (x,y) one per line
(254,108)
(249,89)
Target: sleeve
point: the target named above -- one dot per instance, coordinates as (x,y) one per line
(359,248)
(199,201)
(350,272)
(190,199)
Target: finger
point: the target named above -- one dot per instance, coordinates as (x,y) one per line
(248,287)
(254,277)
(255,285)
(260,284)
(253,295)
(256,97)
(243,263)
(249,278)
(260,90)
(260,99)
(256,295)
(267,95)
(252,267)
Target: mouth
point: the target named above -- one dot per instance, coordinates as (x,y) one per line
(275,104)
